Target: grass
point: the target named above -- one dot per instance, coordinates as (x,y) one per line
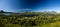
(56,24)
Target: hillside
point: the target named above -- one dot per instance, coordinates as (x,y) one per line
(30,19)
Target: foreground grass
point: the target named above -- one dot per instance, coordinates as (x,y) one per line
(56,24)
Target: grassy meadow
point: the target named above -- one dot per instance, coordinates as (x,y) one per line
(30,19)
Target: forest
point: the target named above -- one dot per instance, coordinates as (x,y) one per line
(30,19)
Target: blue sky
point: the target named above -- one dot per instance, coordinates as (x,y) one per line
(30,5)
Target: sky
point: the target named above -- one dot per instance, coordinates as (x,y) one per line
(29,5)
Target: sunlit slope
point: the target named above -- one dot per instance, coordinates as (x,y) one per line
(56,24)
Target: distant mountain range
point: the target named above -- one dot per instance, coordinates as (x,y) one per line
(23,14)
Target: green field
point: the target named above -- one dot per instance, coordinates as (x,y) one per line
(30,19)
